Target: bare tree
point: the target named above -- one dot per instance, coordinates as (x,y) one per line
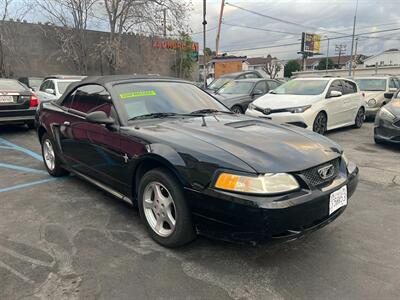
(73,17)
(272,66)
(8,33)
(139,16)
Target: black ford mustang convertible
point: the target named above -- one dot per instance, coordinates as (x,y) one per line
(190,164)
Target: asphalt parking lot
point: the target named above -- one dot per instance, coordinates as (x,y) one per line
(65,239)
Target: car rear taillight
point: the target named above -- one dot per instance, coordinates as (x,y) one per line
(34,101)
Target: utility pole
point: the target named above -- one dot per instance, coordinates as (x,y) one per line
(221,13)
(355,58)
(352,39)
(340,49)
(327,57)
(165,22)
(204,44)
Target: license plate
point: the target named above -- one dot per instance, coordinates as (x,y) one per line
(338,199)
(6,99)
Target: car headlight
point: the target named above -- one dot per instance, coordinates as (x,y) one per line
(272,183)
(371,102)
(384,113)
(298,110)
(251,106)
(345,159)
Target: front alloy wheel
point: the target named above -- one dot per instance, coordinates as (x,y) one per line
(320,123)
(359,118)
(237,109)
(159,209)
(163,208)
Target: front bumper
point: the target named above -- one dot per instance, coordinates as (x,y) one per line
(385,131)
(17,116)
(371,111)
(253,219)
(303,120)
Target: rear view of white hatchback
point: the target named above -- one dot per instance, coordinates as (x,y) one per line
(318,104)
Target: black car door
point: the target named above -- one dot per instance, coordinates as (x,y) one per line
(93,149)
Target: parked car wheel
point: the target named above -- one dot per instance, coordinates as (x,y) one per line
(359,118)
(164,210)
(320,123)
(237,109)
(50,158)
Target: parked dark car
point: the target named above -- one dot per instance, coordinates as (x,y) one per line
(387,121)
(17,103)
(238,94)
(31,82)
(190,164)
(217,83)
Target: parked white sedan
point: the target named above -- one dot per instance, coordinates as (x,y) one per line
(318,104)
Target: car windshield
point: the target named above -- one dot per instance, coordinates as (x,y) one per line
(372,84)
(217,83)
(144,98)
(302,87)
(236,87)
(11,85)
(62,85)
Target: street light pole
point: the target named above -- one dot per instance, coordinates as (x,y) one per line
(204,44)
(352,39)
(327,57)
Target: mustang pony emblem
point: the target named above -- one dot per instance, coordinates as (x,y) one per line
(326,172)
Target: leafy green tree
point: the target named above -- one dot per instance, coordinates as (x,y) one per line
(290,67)
(184,62)
(322,64)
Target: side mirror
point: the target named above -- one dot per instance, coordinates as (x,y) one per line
(99,117)
(333,94)
(257,93)
(50,91)
(388,95)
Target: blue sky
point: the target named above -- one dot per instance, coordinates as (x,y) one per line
(331,15)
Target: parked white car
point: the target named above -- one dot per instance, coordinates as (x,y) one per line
(53,87)
(318,104)
(378,91)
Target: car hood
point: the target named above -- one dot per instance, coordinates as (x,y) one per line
(394,107)
(262,145)
(373,94)
(275,101)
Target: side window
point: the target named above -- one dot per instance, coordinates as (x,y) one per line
(336,85)
(261,86)
(68,100)
(397,82)
(51,85)
(251,75)
(349,87)
(90,98)
(44,85)
(272,84)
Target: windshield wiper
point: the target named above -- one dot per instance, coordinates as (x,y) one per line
(154,116)
(209,111)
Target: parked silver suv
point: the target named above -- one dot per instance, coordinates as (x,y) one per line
(375,88)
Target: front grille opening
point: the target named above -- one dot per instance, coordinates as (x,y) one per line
(313,178)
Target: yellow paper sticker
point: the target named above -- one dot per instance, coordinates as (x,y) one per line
(137,94)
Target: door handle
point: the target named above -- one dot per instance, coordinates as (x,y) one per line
(66,123)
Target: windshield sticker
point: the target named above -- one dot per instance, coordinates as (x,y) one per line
(129,95)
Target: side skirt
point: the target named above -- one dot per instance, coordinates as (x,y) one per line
(103,187)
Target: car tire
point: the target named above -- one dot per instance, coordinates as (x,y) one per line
(320,123)
(164,210)
(360,117)
(31,125)
(50,157)
(237,109)
(377,141)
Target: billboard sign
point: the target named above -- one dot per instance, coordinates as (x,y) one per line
(310,43)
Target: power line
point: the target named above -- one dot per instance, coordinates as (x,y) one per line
(261,29)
